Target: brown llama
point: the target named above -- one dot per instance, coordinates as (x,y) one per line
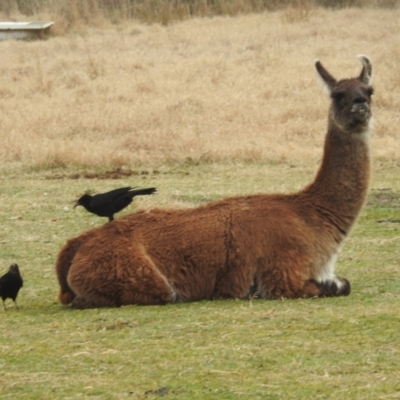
(275,245)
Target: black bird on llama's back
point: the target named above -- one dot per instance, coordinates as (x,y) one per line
(109,203)
(10,284)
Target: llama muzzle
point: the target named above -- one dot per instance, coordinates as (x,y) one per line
(361,111)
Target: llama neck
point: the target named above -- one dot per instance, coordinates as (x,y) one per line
(341,184)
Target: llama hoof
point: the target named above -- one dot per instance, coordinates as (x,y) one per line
(344,288)
(336,287)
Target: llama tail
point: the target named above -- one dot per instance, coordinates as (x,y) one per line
(64,261)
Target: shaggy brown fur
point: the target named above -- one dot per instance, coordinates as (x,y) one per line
(64,261)
(276,245)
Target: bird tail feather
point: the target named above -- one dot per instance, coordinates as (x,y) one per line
(142,192)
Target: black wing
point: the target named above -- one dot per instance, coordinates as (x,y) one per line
(10,284)
(108,197)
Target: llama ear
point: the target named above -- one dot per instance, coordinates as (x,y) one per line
(366,72)
(328,80)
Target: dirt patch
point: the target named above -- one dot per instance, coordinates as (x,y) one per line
(117,173)
(161,391)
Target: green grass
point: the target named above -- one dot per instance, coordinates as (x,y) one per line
(299,349)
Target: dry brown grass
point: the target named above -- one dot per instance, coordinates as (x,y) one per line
(225,89)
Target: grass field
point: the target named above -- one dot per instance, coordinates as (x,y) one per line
(297,349)
(201,109)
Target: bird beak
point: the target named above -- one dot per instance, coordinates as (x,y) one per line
(76,205)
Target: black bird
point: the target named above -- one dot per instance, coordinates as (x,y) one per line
(10,283)
(107,204)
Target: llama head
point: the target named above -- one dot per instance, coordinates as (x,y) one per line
(351,98)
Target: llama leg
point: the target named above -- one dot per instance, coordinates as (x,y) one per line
(234,284)
(285,278)
(112,280)
(63,264)
(337,286)
(289,277)
(144,283)
(306,289)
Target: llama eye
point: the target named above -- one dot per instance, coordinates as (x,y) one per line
(370,91)
(338,95)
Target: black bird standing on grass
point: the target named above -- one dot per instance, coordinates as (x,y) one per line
(10,283)
(107,204)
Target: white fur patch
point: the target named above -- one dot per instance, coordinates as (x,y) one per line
(327,272)
(339,283)
(366,134)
